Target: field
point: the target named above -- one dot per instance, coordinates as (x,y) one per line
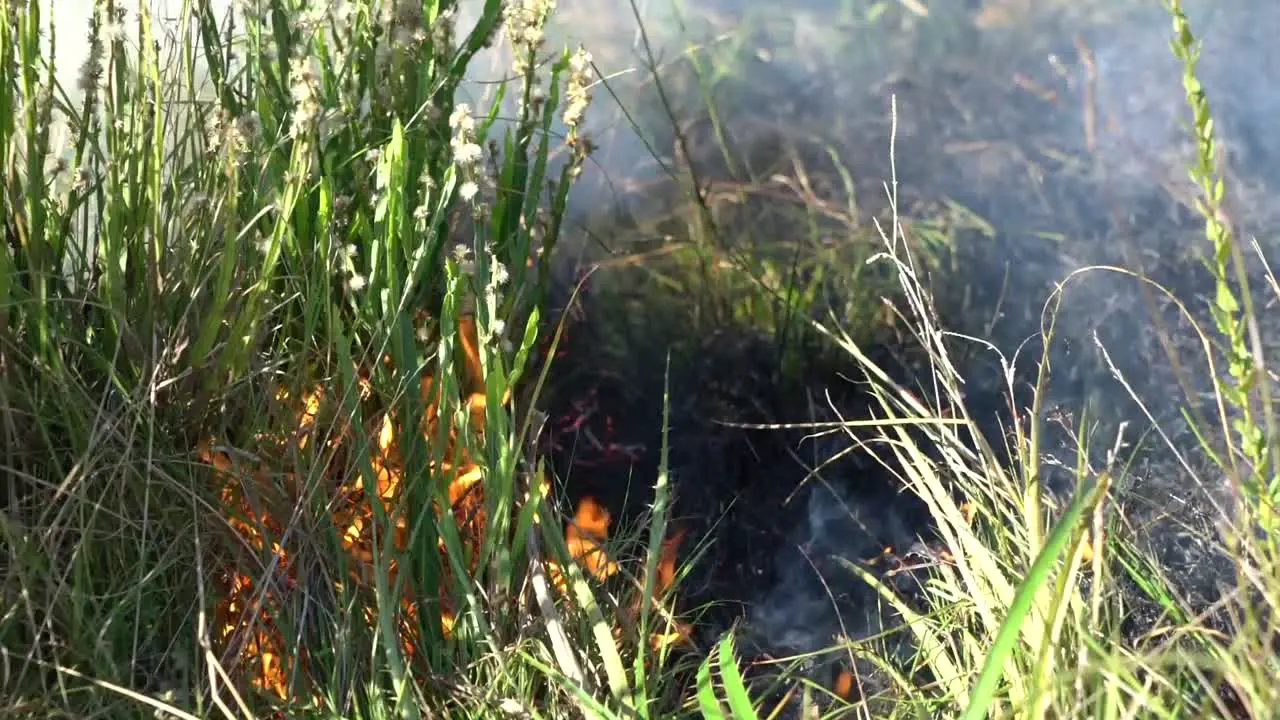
(849,359)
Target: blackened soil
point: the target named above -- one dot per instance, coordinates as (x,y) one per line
(740,493)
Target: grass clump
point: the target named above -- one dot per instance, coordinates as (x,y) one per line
(281,295)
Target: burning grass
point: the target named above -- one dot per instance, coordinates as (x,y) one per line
(260,500)
(238,269)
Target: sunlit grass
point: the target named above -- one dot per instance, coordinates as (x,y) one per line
(277,300)
(1023,617)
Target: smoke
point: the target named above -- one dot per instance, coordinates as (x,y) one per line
(1050,139)
(70,22)
(816,600)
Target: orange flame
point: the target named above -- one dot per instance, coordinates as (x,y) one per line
(843,685)
(585,535)
(243,615)
(259,645)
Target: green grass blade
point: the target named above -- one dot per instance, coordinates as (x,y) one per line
(708,703)
(735,690)
(1067,531)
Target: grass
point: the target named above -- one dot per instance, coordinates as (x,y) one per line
(220,335)
(275,329)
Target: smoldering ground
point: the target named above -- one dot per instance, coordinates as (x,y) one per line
(1033,141)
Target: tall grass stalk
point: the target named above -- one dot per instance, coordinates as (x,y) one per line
(1247,392)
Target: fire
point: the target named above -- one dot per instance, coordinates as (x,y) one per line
(666,578)
(254,502)
(244,620)
(843,685)
(585,536)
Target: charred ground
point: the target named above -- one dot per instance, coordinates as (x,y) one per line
(1023,154)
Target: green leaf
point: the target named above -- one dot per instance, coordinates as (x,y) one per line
(1007,638)
(708,703)
(735,689)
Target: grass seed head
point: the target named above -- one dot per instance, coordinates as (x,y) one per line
(526,22)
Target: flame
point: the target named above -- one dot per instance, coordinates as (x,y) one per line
(843,685)
(244,621)
(243,616)
(678,632)
(667,561)
(585,536)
